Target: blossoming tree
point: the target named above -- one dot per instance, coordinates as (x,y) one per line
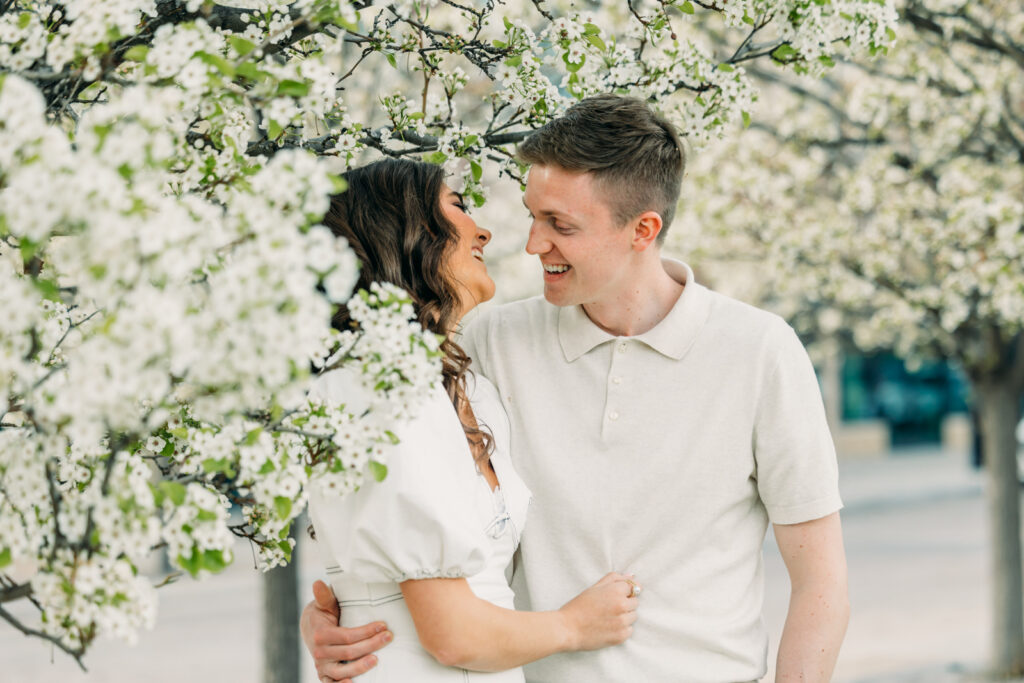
(888,199)
(166,284)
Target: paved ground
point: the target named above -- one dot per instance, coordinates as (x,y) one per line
(915,537)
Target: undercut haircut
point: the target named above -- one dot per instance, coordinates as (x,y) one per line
(634,154)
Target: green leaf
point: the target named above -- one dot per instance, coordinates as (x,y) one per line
(500,44)
(747,19)
(477,170)
(28,248)
(437,157)
(392,437)
(784,52)
(98,270)
(241,45)
(137,53)
(726,67)
(573,68)
(596,42)
(174,491)
(179,433)
(206,516)
(687,7)
(212,465)
(827,61)
(283,506)
(274,129)
(391,59)
(378,470)
(508,24)
(214,561)
(286,548)
(514,60)
(338,185)
(293,88)
(251,71)
(191,564)
(24,19)
(469,140)
(253,436)
(222,65)
(5,557)
(591,29)
(48,288)
(746,119)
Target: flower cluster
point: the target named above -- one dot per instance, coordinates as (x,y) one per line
(890,202)
(164,167)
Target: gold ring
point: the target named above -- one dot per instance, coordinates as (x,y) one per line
(634,589)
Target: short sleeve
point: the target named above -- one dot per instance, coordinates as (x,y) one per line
(797,475)
(420,522)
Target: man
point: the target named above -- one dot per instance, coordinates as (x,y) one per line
(659,425)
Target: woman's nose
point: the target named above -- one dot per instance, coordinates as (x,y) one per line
(484,235)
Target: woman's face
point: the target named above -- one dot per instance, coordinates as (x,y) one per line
(466,263)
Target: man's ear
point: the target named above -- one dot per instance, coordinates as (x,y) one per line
(646,228)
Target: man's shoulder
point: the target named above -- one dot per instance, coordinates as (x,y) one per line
(740,322)
(730,310)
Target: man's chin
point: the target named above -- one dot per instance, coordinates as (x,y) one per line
(557,298)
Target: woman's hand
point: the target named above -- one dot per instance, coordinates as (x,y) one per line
(603,614)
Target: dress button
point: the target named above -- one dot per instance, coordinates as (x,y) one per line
(622,347)
(616,380)
(613,415)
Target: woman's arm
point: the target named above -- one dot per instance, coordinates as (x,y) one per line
(459,629)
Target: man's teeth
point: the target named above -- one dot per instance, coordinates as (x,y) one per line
(555,269)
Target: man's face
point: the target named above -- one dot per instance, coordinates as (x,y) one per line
(585,254)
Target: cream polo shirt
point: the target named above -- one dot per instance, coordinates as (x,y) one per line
(666,455)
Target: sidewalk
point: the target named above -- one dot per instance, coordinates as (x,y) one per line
(905,477)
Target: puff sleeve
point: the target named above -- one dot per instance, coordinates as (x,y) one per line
(420,522)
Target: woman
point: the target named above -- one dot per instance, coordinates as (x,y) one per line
(426,549)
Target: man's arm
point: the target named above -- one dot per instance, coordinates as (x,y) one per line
(819,605)
(340,653)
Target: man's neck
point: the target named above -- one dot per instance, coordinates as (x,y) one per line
(649,298)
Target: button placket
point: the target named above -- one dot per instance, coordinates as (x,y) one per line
(614,382)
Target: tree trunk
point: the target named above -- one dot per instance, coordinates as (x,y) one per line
(997,407)
(281,643)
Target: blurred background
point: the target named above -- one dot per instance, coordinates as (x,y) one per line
(914,526)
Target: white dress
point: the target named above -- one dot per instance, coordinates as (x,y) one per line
(434,515)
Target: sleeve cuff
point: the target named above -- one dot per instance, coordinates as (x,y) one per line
(804,512)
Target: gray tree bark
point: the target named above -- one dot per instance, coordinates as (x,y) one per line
(281,640)
(998,402)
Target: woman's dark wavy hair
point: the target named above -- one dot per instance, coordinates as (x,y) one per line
(391,216)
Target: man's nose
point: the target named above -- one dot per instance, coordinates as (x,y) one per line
(537,243)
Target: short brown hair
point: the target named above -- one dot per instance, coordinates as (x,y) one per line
(634,153)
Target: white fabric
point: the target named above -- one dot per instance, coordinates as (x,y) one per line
(663,454)
(434,515)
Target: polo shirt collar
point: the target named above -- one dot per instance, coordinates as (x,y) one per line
(671,337)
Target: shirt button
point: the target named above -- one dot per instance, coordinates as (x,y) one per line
(622,347)
(613,415)
(616,380)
